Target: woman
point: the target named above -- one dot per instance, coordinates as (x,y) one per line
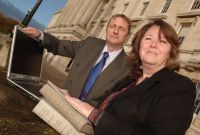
(158,101)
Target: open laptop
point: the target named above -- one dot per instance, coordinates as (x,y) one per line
(25,62)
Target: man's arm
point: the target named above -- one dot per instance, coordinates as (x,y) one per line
(52,44)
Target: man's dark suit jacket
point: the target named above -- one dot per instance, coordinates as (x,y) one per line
(85,53)
(160,105)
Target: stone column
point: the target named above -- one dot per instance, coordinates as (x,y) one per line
(94,16)
(65,12)
(81,11)
(106,8)
(74,11)
(89,12)
(70,11)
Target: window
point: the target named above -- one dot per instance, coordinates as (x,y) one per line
(90,28)
(197,100)
(166,6)
(196,5)
(183,31)
(99,29)
(134,29)
(145,5)
(109,12)
(125,7)
(98,14)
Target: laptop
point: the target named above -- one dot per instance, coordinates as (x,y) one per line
(25,62)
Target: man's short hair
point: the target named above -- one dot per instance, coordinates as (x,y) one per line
(124,17)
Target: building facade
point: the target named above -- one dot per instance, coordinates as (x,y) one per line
(79,19)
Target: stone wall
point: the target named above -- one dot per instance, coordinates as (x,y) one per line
(5,43)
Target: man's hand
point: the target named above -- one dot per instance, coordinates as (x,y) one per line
(33,32)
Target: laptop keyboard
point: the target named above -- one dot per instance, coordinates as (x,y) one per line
(32,87)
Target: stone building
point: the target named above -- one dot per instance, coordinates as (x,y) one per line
(79,19)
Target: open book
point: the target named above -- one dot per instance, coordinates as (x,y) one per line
(60,114)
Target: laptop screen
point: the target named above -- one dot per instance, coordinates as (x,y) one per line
(26,55)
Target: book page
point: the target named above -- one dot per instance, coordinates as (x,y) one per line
(56,99)
(55,88)
(52,117)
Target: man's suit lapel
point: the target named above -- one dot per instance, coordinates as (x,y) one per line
(87,61)
(110,73)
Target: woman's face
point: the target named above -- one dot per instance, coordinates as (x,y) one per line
(154,49)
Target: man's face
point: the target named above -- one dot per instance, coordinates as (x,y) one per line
(117,32)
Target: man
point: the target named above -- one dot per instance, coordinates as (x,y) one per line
(87,53)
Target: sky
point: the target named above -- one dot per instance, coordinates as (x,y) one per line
(45,11)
